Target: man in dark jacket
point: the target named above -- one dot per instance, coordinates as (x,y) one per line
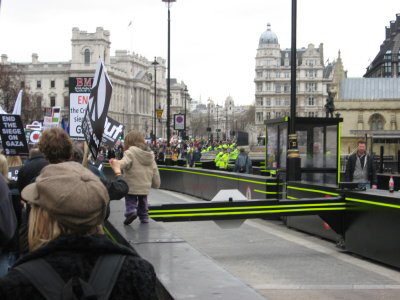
(361,167)
(31,169)
(243,163)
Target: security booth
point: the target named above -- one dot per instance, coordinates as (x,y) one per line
(318,143)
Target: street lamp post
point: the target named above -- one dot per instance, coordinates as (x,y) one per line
(169,3)
(208,121)
(155,63)
(217,125)
(185,91)
(293,168)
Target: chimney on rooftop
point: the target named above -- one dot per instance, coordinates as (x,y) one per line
(35,58)
(4,58)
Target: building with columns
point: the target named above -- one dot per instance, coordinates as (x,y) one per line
(131,74)
(272,80)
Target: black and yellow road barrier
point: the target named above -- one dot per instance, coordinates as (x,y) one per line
(205,211)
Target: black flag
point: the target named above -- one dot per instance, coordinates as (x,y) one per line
(96,111)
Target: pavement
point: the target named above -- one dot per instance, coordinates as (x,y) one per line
(281,263)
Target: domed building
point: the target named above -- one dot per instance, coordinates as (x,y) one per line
(272,80)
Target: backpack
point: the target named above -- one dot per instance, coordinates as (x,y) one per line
(242,169)
(52,287)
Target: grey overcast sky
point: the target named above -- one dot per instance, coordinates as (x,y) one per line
(213,42)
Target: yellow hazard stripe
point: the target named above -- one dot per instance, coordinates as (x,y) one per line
(269,193)
(247,212)
(373,203)
(219,176)
(245,207)
(292,198)
(312,190)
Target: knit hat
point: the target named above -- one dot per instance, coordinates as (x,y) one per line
(71,194)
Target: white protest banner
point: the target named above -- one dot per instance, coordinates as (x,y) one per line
(79,93)
(96,112)
(18,104)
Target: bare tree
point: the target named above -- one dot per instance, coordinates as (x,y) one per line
(12,80)
(247,118)
(198,124)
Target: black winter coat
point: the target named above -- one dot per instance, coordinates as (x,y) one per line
(30,170)
(351,165)
(76,256)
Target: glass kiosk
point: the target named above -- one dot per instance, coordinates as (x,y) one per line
(318,144)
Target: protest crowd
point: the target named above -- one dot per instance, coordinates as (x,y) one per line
(55,200)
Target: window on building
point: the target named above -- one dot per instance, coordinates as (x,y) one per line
(311,114)
(87,57)
(387,65)
(278,102)
(268,86)
(376,122)
(66,101)
(398,64)
(311,101)
(52,101)
(268,115)
(52,83)
(259,101)
(259,87)
(259,74)
(277,74)
(38,84)
(259,116)
(287,75)
(66,83)
(286,88)
(39,101)
(310,87)
(277,88)
(268,102)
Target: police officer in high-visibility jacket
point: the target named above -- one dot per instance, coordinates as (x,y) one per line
(218,157)
(234,154)
(223,161)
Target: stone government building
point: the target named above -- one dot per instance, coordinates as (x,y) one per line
(370,106)
(272,81)
(132,76)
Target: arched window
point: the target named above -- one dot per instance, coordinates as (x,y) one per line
(377,122)
(87,57)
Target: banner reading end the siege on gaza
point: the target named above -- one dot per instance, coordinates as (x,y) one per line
(13,136)
(97,109)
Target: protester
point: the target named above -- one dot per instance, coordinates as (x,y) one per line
(8,226)
(196,156)
(141,173)
(243,163)
(117,188)
(66,239)
(9,249)
(56,145)
(14,161)
(360,167)
(31,168)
